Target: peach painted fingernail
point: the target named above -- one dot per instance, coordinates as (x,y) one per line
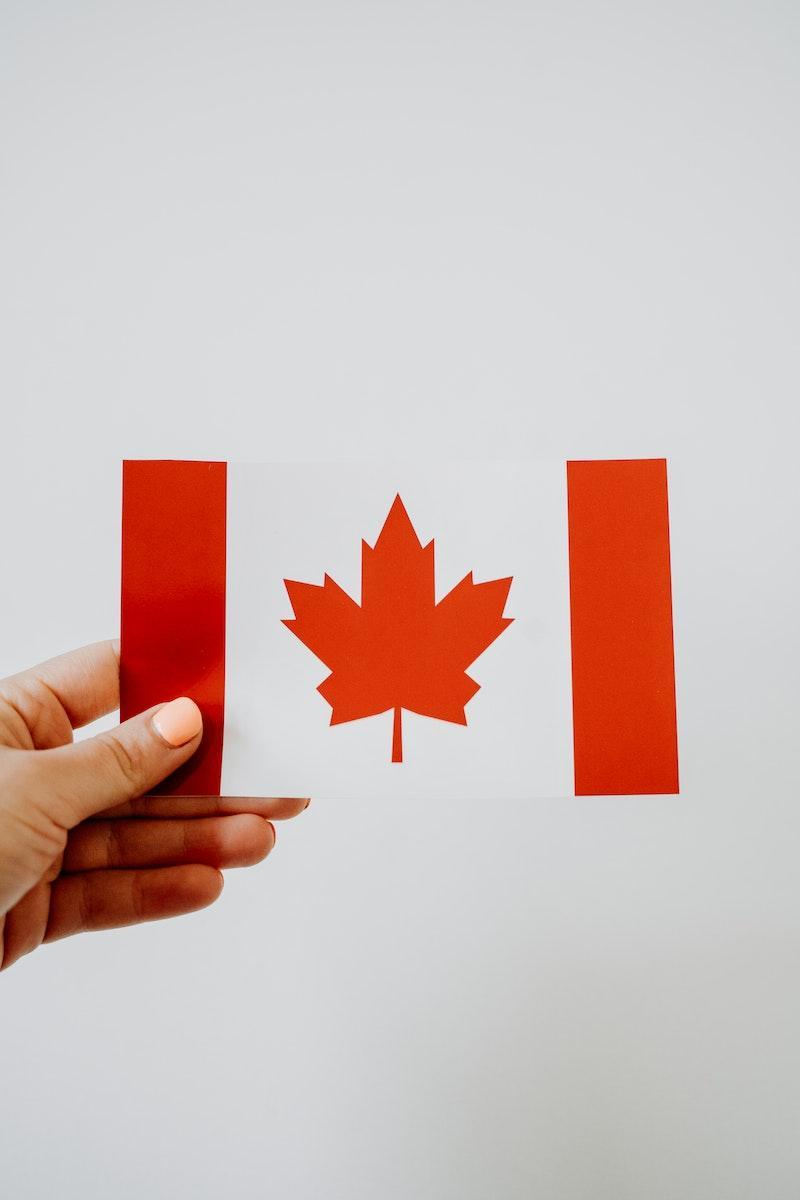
(179,721)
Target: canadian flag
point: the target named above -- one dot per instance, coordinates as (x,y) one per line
(477,629)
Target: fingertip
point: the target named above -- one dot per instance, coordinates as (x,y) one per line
(279,808)
(203,885)
(248,839)
(178,722)
(183,889)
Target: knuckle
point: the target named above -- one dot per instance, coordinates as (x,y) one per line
(26,825)
(138,899)
(87,903)
(54,870)
(40,839)
(114,844)
(126,762)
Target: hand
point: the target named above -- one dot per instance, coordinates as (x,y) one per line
(81,847)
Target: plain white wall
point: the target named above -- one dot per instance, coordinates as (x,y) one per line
(305,230)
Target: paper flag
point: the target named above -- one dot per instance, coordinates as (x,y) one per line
(498,630)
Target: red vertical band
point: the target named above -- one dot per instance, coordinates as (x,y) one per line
(623,673)
(173,602)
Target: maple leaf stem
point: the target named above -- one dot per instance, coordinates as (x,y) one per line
(397,736)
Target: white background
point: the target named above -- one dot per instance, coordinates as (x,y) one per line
(498,519)
(303,230)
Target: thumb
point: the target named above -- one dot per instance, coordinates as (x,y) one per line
(122,763)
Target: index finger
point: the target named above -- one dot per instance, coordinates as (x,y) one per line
(85,682)
(274,808)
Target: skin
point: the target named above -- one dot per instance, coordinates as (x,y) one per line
(82,846)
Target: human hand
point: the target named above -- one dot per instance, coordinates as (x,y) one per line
(81,845)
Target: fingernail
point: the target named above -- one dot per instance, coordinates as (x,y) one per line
(179,721)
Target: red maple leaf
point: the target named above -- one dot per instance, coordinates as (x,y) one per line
(398,648)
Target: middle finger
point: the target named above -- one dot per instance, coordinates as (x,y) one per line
(235,841)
